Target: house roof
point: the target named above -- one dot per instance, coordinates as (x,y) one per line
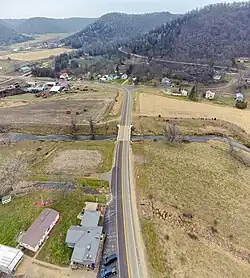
(9,258)
(90,218)
(37,230)
(55,89)
(87,241)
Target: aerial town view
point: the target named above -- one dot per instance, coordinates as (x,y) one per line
(125,139)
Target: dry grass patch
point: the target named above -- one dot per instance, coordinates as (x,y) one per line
(204,181)
(36,55)
(75,162)
(154,105)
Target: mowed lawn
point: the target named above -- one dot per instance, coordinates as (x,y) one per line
(206,182)
(154,105)
(20,213)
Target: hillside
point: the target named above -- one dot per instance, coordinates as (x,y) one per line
(217,33)
(115,28)
(9,36)
(14,22)
(42,25)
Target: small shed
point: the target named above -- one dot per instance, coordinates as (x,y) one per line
(91,206)
(209,95)
(6,199)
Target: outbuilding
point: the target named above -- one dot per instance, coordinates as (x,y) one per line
(37,233)
(9,259)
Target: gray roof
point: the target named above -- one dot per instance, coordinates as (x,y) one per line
(90,218)
(87,241)
(38,229)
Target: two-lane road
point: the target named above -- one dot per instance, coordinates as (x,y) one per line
(129,263)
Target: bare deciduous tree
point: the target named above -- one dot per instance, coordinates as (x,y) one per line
(92,126)
(73,122)
(172,133)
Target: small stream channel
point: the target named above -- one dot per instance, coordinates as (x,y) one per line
(13,137)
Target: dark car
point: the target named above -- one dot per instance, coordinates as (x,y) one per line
(110,259)
(109,271)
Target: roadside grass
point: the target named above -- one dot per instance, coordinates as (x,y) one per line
(204,180)
(98,184)
(152,245)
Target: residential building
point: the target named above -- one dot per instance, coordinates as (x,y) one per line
(91,206)
(90,218)
(37,233)
(166,82)
(86,243)
(209,95)
(56,89)
(239,97)
(9,259)
(86,239)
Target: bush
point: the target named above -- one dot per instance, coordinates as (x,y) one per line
(241,104)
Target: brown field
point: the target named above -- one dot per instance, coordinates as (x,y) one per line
(30,111)
(154,105)
(193,202)
(35,55)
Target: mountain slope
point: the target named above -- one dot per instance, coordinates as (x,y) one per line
(116,27)
(9,36)
(216,33)
(42,25)
(74,24)
(14,22)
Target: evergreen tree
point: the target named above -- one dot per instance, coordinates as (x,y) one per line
(193,95)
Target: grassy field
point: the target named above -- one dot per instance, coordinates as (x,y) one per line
(40,38)
(21,212)
(154,105)
(204,181)
(35,55)
(39,163)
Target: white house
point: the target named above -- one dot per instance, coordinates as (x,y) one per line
(37,233)
(9,259)
(239,97)
(209,95)
(184,93)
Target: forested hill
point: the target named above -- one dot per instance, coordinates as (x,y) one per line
(115,28)
(9,36)
(42,25)
(217,33)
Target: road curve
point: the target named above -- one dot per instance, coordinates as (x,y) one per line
(129,263)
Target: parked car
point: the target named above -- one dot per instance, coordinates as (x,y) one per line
(109,271)
(110,259)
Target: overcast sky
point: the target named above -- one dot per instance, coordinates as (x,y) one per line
(94,8)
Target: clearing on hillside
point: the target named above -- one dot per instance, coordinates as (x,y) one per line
(193,205)
(35,55)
